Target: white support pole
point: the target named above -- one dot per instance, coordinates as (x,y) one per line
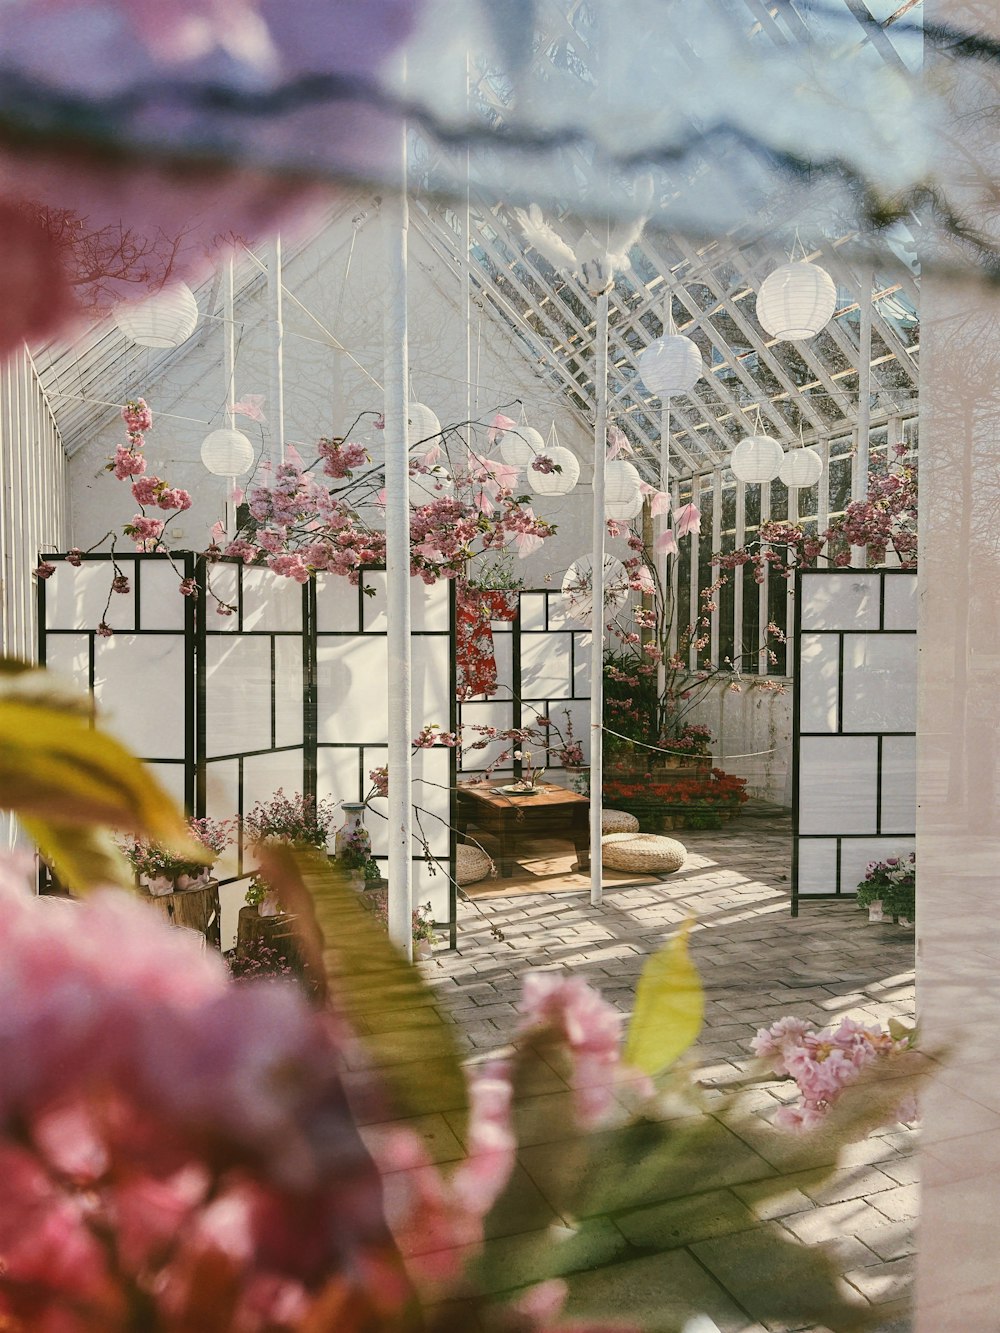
(597,615)
(662,560)
(274,291)
(395,220)
(860,474)
(230,332)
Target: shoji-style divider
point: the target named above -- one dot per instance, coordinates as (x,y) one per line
(854,756)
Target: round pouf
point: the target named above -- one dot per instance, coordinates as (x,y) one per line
(471,863)
(642,851)
(618,821)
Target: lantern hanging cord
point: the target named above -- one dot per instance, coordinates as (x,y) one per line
(684,754)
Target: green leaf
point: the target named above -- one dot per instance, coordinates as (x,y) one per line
(350,958)
(63,778)
(669,1009)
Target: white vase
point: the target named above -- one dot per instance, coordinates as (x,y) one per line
(159,885)
(875,912)
(354,819)
(423,950)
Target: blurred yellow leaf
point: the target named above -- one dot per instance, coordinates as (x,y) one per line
(65,779)
(348,952)
(669,1009)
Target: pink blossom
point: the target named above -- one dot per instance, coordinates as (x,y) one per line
(105,630)
(687,519)
(174,498)
(44,570)
(127,463)
(146,490)
(137,416)
(498,425)
(144,529)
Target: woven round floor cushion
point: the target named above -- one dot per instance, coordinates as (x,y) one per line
(642,851)
(618,821)
(471,863)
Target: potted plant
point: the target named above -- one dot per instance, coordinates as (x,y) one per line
(161,873)
(888,889)
(424,936)
(354,854)
(298,820)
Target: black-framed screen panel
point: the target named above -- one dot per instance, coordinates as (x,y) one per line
(854,726)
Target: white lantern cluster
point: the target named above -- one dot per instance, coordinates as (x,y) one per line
(671,365)
(521,444)
(622,490)
(758,458)
(559,482)
(801,467)
(796,301)
(227,453)
(164,320)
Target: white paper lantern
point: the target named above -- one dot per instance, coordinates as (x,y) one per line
(671,365)
(555,483)
(796,300)
(227,453)
(164,320)
(622,490)
(801,467)
(757,458)
(520,445)
(578,588)
(421,424)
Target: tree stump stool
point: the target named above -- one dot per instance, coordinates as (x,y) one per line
(194,909)
(274,932)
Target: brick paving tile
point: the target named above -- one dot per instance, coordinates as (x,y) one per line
(757,964)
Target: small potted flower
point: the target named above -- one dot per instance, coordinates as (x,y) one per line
(424,935)
(161,872)
(299,821)
(888,889)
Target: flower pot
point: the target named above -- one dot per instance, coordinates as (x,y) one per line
(423,950)
(159,885)
(905,921)
(875,912)
(269,906)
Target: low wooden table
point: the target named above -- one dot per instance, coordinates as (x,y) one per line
(555,812)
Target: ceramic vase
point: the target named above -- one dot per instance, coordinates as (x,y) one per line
(354,819)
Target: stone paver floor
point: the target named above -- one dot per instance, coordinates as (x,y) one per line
(713,1246)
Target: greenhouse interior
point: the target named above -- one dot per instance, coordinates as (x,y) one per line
(478,682)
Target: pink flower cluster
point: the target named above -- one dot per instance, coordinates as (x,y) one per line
(146,490)
(822,1063)
(591,1030)
(168,1138)
(340,457)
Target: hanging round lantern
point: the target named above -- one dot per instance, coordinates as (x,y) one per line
(622,490)
(757,458)
(578,588)
(544,479)
(520,445)
(164,320)
(801,467)
(671,365)
(227,453)
(796,300)
(421,424)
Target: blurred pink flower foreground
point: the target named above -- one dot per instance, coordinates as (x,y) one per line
(177,1151)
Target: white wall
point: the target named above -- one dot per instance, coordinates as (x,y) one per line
(753,731)
(33,509)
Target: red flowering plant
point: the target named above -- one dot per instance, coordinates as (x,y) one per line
(886,520)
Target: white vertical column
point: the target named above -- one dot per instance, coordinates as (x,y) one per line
(395,220)
(597,634)
(229,319)
(859,475)
(663,560)
(274,290)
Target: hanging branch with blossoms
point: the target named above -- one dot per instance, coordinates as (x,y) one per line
(886,520)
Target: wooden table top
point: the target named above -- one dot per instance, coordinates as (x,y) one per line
(490,794)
